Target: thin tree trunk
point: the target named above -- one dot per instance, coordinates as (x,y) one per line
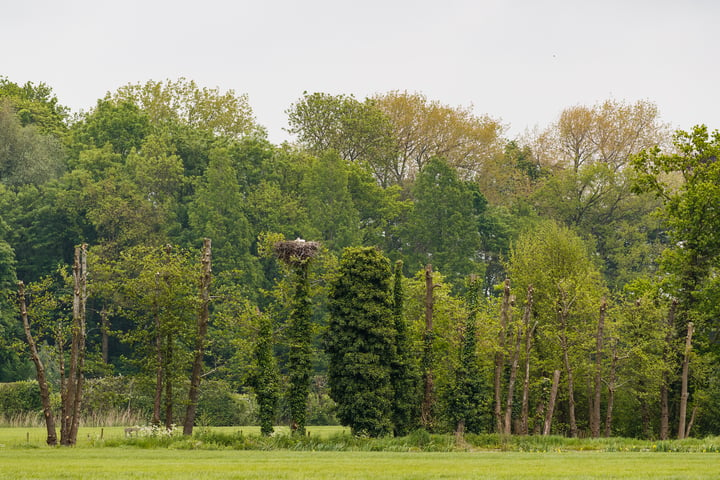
(159,373)
(529,331)
(169,357)
(684,381)
(521,328)
(40,370)
(105,332)
(664,401)
(595,417)
(500,355)
(426,410)
(692,420)
(565,345)
(81,295)
(551,403)
(611,390)
(203,319)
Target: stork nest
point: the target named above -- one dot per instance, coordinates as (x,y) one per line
(296,252)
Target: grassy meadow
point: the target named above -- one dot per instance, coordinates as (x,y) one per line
(23,455)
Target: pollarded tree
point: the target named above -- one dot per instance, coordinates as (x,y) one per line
(360,342)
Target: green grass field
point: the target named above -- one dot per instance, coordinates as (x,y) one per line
(22,460)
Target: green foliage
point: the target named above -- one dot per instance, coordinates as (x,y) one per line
(19,397)
(27,155)
(35,104)
(121,124)
(405,376)
(265,380)
(357,131)
(360,342)
(466,402)
(443,228)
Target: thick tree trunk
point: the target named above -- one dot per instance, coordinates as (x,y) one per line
(39,369)
(664,387)
(551,403)
(426,409)
(595,417)
(202,326)
(500,355)
(684,381)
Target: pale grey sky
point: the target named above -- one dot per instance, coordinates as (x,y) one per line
(520,61)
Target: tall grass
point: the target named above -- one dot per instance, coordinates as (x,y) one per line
(418,441)
(110,418)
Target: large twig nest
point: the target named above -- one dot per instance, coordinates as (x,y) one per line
(296,252)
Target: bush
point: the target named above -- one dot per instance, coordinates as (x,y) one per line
(19,398)
(219,405)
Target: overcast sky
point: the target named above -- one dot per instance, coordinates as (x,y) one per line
(520,61)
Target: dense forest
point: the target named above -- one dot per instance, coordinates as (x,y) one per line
(400,265)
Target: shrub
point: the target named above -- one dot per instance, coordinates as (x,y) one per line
(19,398)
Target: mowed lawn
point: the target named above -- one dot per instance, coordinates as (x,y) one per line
(20,461)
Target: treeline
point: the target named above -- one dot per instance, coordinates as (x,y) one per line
(604,223)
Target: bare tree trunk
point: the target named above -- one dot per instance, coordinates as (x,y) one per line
(684,381)
(692,420)
(612,376)
(551,403)
(426,408)
(105,332)
(203,319)
(664,401)
(40,370)
(595,417)
(72,393)
(500,355)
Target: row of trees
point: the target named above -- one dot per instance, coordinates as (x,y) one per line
(604,223)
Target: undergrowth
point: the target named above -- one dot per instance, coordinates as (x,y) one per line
(418,441)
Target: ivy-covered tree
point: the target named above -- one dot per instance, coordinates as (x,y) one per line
(360,342)
(297,255)
(405,373)
(466,400)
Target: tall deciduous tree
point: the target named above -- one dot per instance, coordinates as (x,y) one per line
(443,227)
(424,129)
(358,131)
(360,342)
(184,102)
(568,288)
